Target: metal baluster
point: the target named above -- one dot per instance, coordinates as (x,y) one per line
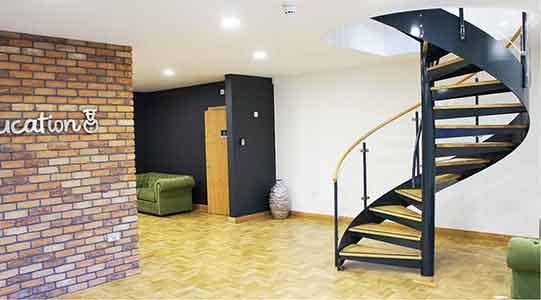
(415,168)
(477,117)
(336,258)
(524,52)
(417,132)
(462,28)
(365,197)
(416,157)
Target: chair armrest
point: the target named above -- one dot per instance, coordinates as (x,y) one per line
(166,184)
(524,255)
(140,180)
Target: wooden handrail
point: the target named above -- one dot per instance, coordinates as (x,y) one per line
(369,133)
(514,38)
(401,114)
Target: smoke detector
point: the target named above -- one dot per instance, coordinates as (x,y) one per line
(290,8)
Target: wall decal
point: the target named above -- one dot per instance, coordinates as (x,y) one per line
(47,125)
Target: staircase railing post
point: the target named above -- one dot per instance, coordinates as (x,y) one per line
(336,260)
(416,166)
(477,117)
(428,167)
(462,28)
(365,177)
(417,129)
(524,52)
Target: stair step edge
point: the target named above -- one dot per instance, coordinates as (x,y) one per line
(446,126)
(446,64)
(388,231)
(361,251)
(466,85)
(474,145)
(391,211)
(479,106)
(409,195)
(462,162)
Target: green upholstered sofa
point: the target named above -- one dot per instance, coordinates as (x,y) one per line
(164,194)
(523,259)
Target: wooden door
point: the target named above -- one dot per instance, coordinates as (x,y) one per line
(217,160)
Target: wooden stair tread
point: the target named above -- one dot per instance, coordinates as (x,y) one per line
(465,85)
(475,145)
(389,229)
(383,251)
(445,64)
(481,126)
(444,178)
(461,162)
(477,106)
(417,194)
(397,211)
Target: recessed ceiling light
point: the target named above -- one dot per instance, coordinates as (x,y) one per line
(230,23)
(260,55)
(168,72)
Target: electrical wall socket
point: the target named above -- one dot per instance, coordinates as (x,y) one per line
(113,237)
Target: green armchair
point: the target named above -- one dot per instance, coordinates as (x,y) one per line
(523,259)
(164,194)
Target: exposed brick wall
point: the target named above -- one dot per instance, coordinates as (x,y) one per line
(61,194)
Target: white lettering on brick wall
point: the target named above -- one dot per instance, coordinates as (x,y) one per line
(46,124)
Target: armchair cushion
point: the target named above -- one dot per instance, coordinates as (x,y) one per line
(146,194)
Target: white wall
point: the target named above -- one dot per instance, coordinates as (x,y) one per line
(319,115)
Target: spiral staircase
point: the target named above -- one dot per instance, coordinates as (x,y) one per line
(400,224)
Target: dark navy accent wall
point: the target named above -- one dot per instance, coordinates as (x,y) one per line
(170,132)
(252,168)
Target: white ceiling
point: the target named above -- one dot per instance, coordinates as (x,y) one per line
(373,37)
(186,36)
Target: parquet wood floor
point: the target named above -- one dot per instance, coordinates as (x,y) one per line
(195,255)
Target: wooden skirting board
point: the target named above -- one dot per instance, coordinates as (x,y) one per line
(473,234)
(253,217)
(329,218)
(200,207)
(322,217)
(442,231)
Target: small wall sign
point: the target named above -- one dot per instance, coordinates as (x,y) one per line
(47,125)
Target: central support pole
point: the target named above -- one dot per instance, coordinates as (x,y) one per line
(428,166)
